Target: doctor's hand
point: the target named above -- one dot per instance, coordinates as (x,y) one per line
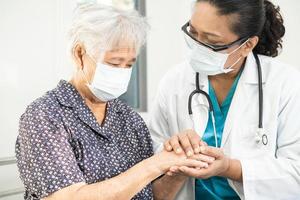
(222,166)
(187,141)
(217,168)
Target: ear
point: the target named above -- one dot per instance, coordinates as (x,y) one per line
(250,45)
(78,53)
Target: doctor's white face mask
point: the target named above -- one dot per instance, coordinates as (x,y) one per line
(209,62)
(109,82)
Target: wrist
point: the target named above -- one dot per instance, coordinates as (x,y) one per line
(162,161)
(234,170)
(155,165)
(227,168)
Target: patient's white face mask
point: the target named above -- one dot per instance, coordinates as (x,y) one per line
(209,62)
(109,82)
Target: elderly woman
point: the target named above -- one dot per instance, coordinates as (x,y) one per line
(79,141)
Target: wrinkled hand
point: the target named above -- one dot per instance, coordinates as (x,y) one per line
(188,142)
(217,168)
(165,160)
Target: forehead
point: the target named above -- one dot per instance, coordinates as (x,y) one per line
(125,52)
(205,18)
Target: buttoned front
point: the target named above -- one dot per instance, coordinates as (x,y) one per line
(61,143)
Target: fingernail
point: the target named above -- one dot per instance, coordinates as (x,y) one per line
(178,150)
(189,153)
(197,150)
(169,147)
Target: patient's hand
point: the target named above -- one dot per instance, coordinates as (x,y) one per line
(208,160)
(219,167)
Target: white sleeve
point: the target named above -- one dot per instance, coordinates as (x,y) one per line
(158,122)
(278,176)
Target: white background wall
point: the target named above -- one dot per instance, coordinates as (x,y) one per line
(33,59)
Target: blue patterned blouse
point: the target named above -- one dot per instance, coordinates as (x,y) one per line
(60,143)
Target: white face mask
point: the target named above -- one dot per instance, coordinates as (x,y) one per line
(208,62)
(109,82)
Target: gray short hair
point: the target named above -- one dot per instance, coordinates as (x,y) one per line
(102,28)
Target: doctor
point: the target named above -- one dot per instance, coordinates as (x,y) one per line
(247,110)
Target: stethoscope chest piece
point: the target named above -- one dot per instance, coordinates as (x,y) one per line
(261,136)
(265,139)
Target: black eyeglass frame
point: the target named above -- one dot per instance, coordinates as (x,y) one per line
(213,47)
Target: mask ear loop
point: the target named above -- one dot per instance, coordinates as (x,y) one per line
(227,70)
(239,47)
(94,60)
(85,78)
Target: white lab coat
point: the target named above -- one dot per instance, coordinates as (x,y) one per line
(269,172)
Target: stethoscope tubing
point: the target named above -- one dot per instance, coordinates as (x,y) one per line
(260,99)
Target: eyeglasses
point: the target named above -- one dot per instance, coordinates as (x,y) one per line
(186,29)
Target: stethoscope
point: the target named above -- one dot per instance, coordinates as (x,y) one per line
(260,134)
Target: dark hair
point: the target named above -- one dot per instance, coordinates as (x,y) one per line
(255,18)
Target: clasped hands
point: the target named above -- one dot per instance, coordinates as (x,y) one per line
(190,145)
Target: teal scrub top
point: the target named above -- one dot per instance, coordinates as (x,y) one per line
(216,187)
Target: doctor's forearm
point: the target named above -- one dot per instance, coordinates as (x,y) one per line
(234,171)
(167,187)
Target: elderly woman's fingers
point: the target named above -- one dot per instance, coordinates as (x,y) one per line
(194,163)
(174,169)
(169,173)
(211,151)
(204,158)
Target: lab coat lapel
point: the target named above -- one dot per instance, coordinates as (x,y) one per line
(200,107)
(241,98)
(198,120)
